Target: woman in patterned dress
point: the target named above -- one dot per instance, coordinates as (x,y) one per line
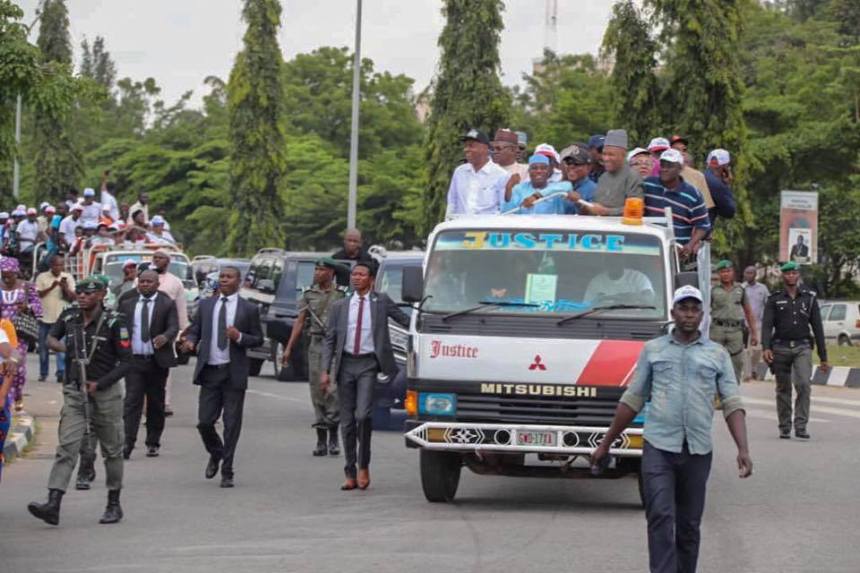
(8,341)
(17,296)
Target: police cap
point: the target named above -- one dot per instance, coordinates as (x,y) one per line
(328,263)
(724,264)
(90,285)
(789,266)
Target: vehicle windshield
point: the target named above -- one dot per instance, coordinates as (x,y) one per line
(547,272)
(113,266)
(390,280)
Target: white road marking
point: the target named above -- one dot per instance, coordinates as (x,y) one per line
(818,409)
(769,415)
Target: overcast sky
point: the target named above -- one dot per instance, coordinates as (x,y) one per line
(180,42)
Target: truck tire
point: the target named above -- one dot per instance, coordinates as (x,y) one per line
(255,365)
(440,475)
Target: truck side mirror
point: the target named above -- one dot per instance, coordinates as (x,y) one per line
(690,278)
(413,285)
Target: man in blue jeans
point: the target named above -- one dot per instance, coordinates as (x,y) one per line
(678,375)
(56,289)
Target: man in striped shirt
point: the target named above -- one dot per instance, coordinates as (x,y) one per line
(689,214)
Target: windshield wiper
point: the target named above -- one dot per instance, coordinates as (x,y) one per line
(601,308)
(489,304)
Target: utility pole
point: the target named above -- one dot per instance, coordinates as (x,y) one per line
(16,167)
(353,140)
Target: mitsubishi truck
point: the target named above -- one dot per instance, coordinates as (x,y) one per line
(526,332)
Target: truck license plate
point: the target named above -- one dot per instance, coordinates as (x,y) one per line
(534,438)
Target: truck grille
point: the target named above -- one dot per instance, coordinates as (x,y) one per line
(535,410)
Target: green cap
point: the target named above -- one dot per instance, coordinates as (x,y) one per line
(328,262)
(724,264)
(103,278)
(789,266)
(90,284)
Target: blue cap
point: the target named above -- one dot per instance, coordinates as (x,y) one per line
(596,142)
(539,160)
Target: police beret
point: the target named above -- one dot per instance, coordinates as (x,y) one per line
(328,262)
(789,266)
(724,264)
(90,284)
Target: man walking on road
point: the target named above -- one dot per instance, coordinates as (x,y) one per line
(95,402)
(676,460)
(787,342)
(356,348)
(56,288)
(314,307)
(729,309)
(757,295)
(223,330)
(172,286)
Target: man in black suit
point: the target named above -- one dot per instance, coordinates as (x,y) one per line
(224,328)
(356,349)
(153,323)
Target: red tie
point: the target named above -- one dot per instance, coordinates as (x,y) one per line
(357,347)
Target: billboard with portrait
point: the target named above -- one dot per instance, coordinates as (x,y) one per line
(798,227)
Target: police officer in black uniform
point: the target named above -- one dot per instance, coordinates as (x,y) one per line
(787,342)
(97,338)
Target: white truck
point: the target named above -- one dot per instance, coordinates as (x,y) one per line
(527,333)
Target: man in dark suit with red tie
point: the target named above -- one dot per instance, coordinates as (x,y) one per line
(356,348)
(224,328)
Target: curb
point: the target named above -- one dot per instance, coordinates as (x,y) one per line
(19,437)
(842,376)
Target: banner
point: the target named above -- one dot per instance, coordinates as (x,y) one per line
(798,227)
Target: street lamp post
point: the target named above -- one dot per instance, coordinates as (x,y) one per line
(16,167)
(353,140)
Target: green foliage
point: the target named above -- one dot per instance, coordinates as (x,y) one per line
(467,92)
(54,41)
(255,100)
(97,64)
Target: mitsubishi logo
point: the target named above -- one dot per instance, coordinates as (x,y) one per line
(538,363)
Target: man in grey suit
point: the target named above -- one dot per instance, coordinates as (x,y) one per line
(356,349)
(224,328)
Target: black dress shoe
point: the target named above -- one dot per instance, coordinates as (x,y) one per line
(152,451)
(802,434)
(226,481)
(785,435)
(126,452)
(212,467)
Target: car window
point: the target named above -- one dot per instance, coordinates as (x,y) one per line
(825,310)
(838,312)
(305,274)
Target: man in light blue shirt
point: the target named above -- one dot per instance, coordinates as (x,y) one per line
(524,195)
(678,375)
(476,185)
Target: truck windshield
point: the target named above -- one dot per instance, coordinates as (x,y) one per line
(556,273)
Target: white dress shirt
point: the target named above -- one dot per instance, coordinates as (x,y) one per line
(109,201)
(67,229)
(366,346)
(138,346)
(27,232)
(216,355)
(476,192)
(91,212)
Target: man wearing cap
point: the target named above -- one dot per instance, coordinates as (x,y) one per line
(757,295)
(576,162)
(678,375)
(689,215)
(595,149)
(642,162)
(477,185)
(619,182)
(504,150)
(141,205)
(69,224)
(787,342)
(656,147)
(314,307)
(91,211)
(44,218)
(28,232)
(524,195)
(104,338)
(729,308)
(550,153)
(158,233)
(129,276)
(719,179)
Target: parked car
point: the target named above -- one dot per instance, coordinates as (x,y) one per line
(841,319)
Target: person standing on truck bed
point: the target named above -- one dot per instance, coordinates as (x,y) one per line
(477,186)
(356,348)
(787,343)
(618,182)
(729,307)
(678,375)
(315,304)
(537,186)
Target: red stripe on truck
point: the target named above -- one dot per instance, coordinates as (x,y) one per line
(611,364)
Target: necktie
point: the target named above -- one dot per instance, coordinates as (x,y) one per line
(222,324)
(144,321)
(356,349)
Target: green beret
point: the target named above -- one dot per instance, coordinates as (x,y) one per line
(789,266)
(90,285)
(103,278)
(328,262)
(724,264)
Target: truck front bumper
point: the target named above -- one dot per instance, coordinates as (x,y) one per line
(518,438)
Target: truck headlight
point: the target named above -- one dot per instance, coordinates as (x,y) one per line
(436,404)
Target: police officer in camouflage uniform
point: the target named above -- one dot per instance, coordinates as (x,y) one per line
(729,305)
(313,313)
(788,315)
(107,351)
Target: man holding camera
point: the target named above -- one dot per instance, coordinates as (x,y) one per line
(56,289)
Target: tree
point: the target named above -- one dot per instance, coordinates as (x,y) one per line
(57,160)
(257,132)
(97,64)
(467,92)
(627,42)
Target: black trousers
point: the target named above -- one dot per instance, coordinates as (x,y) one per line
(355,381)
(145,379)
(218,399)
(674,502)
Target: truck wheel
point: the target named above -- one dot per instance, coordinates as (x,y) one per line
(641,484)
(255,365)
(440,475)
(277,353)
(844,340)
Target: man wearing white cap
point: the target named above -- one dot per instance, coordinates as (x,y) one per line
(69,224)
(158,234)
(91,211)
(642,162)
(679,374)
(719,178)
(28,232)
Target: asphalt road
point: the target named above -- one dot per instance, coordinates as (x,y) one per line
(800,512)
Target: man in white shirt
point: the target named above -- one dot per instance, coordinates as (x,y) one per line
(478,185)
(619,281)
(90,210)
(108,199)
(159,233)
(28,232)
(56,289)
(69,224)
